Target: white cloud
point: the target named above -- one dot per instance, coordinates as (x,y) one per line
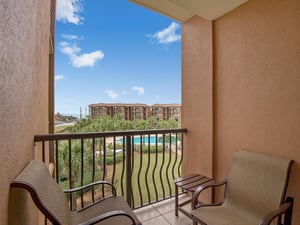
(139,90)
(68,49)
(112,94)
(71,37)
(68,11)
(87,59)
(124,92)
(59,77)
(80,60)
(167,35)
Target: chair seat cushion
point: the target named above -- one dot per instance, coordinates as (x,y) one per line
(106,205)
(222,215)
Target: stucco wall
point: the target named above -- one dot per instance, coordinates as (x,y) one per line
(258,84)
(197,111)
(24,41)
(256,87)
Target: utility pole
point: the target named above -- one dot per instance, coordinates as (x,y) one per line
(80,113)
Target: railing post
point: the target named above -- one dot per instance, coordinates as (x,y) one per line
(51,152)
(128,171)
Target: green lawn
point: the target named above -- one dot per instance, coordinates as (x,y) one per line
(163,177)
(61,129)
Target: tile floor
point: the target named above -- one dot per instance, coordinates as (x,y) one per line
(163,213)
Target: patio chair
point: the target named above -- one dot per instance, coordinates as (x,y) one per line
(253,195)
(52,201)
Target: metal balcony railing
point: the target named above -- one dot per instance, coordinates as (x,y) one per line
(141,164)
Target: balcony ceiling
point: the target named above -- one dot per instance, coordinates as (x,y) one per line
(182,10)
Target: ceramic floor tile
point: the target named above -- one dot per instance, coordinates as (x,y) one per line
(184,197)
(157,221)
(180,220)
(165,206)
(163,213)
(146,213)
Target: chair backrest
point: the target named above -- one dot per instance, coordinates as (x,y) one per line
(45,192)
(257,182)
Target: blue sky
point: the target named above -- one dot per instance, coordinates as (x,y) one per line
(114,51)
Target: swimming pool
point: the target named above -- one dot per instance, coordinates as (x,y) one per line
(145,140)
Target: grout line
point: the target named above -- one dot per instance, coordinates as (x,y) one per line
(166,220)
(160,214)
(154,216)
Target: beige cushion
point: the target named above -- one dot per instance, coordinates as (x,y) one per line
(106,205)
(223,215)
(51,200)
(49,195)
(256,186)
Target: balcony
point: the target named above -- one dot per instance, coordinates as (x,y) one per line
(141,164)
(240,88)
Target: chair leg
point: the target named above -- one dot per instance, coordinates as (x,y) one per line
(289,213)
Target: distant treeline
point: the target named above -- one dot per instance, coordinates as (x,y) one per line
(106,123)
(64,118)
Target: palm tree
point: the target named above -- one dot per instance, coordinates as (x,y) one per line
(140,124)
(162,124)
(151,122)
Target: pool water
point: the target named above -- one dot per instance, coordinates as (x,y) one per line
(145,140)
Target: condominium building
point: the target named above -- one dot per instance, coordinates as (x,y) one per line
(166,111)
(127,111)
(136,111)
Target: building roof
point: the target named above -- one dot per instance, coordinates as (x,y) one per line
(183,10)
(118,104)
(166,105)
(133,104)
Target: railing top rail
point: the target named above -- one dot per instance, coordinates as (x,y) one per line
(51,137)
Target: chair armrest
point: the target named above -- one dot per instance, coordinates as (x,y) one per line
(201,188)
(108,215)
(285,207)
(114,192)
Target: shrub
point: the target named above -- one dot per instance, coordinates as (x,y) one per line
(110,159)
(118,146)
(146,149)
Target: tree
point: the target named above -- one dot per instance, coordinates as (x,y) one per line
(126,125)
(162,124)
(75,162)
(172,123)
(140,124)
(151,122)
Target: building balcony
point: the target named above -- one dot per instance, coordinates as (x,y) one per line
(240,89)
